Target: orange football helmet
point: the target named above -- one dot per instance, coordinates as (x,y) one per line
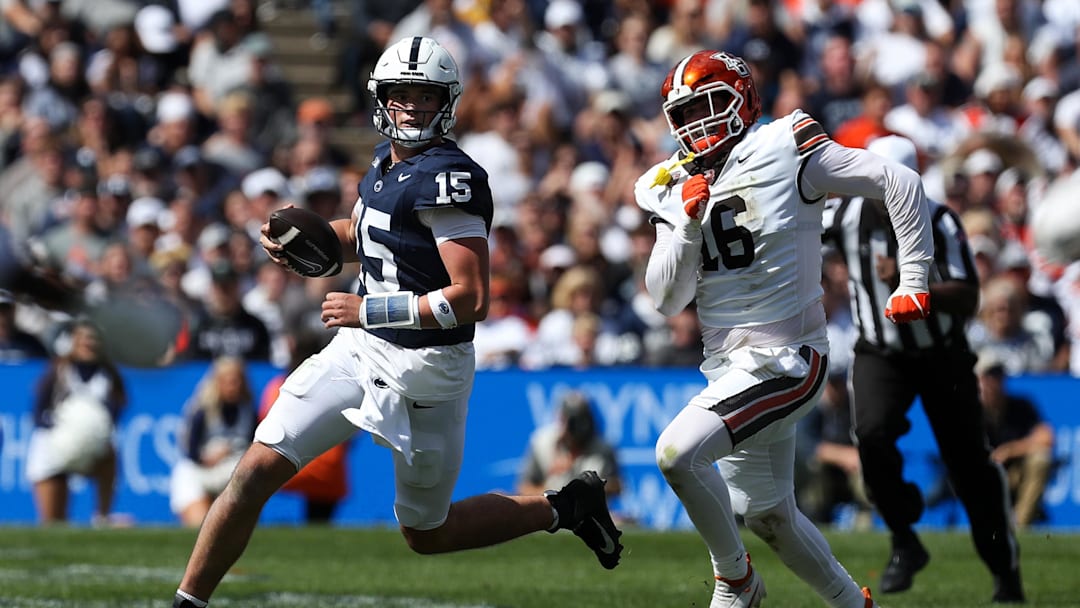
(710,101)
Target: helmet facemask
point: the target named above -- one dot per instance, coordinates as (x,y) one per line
(436,124)
(719,128)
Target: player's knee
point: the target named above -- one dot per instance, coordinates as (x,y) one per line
(260,473)
(672,461)
(768,523)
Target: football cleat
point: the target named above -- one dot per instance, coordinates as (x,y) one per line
(1008,589)
(899,573)
(747,592)
(582,508)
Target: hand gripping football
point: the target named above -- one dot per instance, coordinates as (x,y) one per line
(311,247)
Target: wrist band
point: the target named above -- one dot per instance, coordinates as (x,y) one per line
(442,310)
(395,309)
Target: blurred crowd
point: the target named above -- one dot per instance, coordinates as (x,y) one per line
(142,144)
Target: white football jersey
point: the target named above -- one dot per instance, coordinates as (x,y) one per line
(761,247)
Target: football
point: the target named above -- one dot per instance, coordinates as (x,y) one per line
(311,247)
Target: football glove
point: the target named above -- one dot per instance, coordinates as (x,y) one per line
(906,305)
(695,196)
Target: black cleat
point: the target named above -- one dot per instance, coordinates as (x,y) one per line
(179,602)
(582,508)
(900,572)
(1007,589)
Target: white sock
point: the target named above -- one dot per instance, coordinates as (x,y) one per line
(803,549)
(191,598)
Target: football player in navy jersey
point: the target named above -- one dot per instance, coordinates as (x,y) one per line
(402,363)
(738,213)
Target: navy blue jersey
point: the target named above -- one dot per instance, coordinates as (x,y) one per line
(397,252)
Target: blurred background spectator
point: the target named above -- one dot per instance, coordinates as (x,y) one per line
(1022,442)
(75,409)
(565,448)
(218,426)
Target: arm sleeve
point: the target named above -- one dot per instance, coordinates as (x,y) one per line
(448,224)
(843,170)
(671,275)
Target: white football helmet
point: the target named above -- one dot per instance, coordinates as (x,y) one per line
(415,60)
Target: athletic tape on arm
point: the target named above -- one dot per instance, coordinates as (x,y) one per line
(396,309)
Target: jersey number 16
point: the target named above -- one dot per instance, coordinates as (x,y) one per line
(725,240)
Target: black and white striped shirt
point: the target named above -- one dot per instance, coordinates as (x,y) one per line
(861,232)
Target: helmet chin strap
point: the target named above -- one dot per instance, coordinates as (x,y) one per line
(415,137)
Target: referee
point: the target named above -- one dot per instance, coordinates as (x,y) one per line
(929,359)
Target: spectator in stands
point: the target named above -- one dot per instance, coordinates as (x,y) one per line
(505,333)
(143,221)
(323,482)
(981,168)
(828,472)
(439,20)
(680,345)
(835,96)
(1000,331)
(314,123)
(16,345)
(565,448)
(631,71)
(265,301)
(932,127)
(494,145)
(995,108)
(319,192)
(1022,442)
(74,247)
(572,58)
(219,62)
(232,146)
(175,125)
(577,293)
(218,425)
(265,189)
(76,405)
(30,184)
(683,34)
(203,180)
(870,123)
(227,329)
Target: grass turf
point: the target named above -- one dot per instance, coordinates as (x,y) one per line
(346,567)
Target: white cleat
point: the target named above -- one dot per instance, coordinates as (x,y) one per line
(746,592)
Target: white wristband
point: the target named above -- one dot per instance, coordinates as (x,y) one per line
(399,309)
(442,310)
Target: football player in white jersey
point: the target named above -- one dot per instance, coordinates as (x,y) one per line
(738,213)
(401,364)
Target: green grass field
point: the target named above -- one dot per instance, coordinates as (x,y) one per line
(347,567)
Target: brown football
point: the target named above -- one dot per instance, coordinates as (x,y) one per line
(311,247)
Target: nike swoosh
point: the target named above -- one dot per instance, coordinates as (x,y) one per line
(609,544)
(404,176)
(417,406)
(742,159)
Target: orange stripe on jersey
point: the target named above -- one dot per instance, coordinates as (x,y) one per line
(750,411)
(808,134)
